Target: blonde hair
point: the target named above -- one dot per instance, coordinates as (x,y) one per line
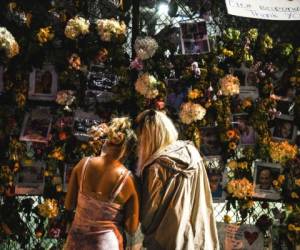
(155,132)
(119,134)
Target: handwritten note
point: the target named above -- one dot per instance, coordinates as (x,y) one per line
(265,9)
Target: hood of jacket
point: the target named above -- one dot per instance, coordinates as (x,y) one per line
(183,156)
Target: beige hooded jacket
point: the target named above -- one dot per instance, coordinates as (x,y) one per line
(177,212)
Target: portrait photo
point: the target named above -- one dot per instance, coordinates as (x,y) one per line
(284,128)
(43,84)
(194,38)
(36,125)
(264,175)
(176,93)
(210,144)
(1,79)
(245,129)
(30,179)
(217,177)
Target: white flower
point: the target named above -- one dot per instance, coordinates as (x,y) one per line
(145,48)
(146,85)
(230,85)
(8,43)
(190,112)
(107,28)
(77,26)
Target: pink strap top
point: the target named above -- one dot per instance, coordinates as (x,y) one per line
(118,186)
(96,213)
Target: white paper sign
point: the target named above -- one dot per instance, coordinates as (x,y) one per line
(265,9)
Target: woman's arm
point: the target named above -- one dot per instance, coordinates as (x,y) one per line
(132,207)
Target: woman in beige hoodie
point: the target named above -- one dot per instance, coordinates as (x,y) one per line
(176,206)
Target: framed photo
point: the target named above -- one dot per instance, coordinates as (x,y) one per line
(1,79)
(43,84)
(239,237)
(264,175)
(30,179)
(100,81)
(176,94)
(217,177)
(210,144)
(284,128)
(194,38)
(248,78)
(37,126)
(68,168)
(83,121)
(285,107)
(244,128)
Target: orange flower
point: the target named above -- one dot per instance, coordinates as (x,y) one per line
(231,133)
(246,103)
(62,135)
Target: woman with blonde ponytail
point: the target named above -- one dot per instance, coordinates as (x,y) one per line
(103,192)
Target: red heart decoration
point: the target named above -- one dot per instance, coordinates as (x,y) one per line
(251,237)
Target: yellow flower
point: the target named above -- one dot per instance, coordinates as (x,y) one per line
(297,182)
(282,151)
(227,52)
(232,145)
(57,154)
(281,178)
(83,146)
(232,164)
(246,103)
(275,183)
(242,165)
(240,188)
(294,195)
(45,34)
(291,227)
(49,208)
(194,94)
(227,218)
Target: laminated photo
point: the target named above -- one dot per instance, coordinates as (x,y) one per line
(37,125)
(245,129)
(217,177)
(264,175)
(210,144)
(30,179)
(284,128)
(43,84)
(194,38)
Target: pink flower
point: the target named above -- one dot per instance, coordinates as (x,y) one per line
(137,64)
